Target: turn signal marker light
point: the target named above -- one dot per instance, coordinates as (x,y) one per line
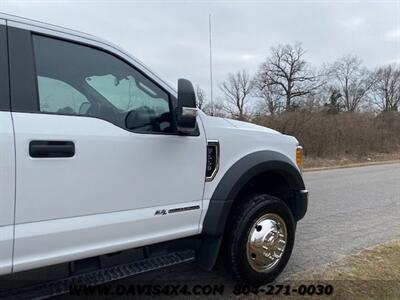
(299,157)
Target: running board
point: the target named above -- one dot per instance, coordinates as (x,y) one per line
(62,286)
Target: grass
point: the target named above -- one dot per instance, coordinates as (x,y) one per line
(371,274)
(315,163)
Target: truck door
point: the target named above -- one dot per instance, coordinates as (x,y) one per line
(7,161)
(89,182)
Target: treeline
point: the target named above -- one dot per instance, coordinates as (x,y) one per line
(341,109)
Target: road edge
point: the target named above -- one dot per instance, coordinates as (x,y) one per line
(353,165)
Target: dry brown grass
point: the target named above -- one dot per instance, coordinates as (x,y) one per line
(347,135)
(371,274)
(313,163)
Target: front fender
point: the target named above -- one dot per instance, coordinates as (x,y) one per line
(228,189)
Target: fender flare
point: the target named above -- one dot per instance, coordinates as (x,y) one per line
(228,188)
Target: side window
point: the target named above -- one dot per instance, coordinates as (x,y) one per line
(80,80)
(59,97)
(127,88)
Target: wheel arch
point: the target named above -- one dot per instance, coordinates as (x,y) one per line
(251,170)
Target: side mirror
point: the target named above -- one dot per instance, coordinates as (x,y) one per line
(186,110)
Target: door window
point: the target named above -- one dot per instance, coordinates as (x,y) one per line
(80,80)
(59,97)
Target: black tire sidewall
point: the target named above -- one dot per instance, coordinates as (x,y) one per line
(259,208)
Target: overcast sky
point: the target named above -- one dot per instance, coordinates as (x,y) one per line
(171,37)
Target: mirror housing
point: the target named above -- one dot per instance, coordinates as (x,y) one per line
(186,110)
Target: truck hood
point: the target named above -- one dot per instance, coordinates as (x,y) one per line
(238,139)
(250,126)
(217,122)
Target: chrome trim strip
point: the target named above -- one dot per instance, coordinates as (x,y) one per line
(189,111)
(181,209)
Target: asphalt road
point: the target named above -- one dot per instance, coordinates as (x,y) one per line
(349,209)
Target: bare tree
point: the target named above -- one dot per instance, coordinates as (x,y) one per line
(287,71)
(353,81)
(387,87)
(271,98)
(219,109)
(236,89)
(200,97)
(333,105)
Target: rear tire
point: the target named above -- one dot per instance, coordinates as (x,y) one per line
(260,239)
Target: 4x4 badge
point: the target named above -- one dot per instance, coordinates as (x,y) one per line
(160,212)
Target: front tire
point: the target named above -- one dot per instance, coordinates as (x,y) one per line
(260,239)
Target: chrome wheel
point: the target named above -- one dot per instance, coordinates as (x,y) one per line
(266,242)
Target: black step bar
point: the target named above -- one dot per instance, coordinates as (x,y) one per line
(63,286)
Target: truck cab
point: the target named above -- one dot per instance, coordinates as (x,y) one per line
(99,155)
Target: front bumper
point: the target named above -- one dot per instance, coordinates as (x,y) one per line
(301,204)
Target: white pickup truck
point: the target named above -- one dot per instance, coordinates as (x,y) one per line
(99,156)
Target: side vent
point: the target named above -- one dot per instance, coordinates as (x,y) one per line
(212,159)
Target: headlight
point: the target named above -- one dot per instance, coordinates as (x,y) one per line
(299,157)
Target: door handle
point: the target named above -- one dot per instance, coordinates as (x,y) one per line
(40,149)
